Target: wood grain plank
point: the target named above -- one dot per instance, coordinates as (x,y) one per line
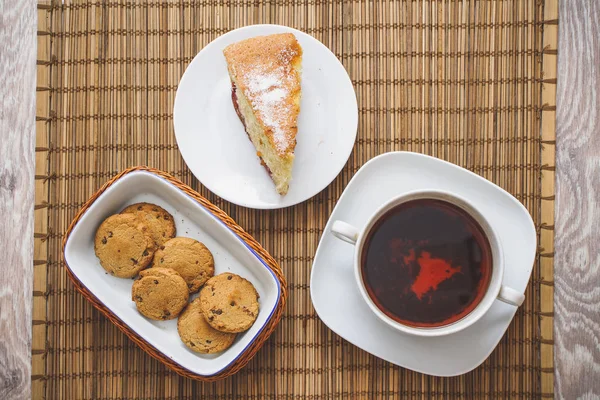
(18,21)
(577,241)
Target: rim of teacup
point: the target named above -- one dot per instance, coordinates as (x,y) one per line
(496,277)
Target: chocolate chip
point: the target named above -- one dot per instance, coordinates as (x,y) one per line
(162,247)
(162,260)
(196,261)
(155,209)
(166,217)
(208,341)
(145,253)
(167,313)
(229,277)
(138,298)
(155,282)
(134,261)
(139,208)
(158,216)
(193,344)
(232,303)
(250,313)
(211,318)
(164,234)
(118,251)
(104,240)
(218,312)
(110,234)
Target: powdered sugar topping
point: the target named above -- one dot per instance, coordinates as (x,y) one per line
(268,86)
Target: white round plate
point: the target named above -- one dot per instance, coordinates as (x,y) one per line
(217,150)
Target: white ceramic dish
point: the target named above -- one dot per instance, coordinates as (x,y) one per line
(192,220)
(215,147)
(335,293)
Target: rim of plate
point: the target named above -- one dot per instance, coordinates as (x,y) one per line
(277,29)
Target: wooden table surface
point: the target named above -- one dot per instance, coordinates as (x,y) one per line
(577,226)
(577,207)
(18,26)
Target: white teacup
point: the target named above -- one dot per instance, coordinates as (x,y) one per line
(495,289)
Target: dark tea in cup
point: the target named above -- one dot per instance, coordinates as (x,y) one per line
(426,263)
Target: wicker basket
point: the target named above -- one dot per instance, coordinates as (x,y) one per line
(260,339)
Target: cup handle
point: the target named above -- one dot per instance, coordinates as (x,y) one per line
(511,296)
(345,232)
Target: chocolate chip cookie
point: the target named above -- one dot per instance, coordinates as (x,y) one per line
(123,245)
(160,223)
(198,335)
(160,293)
(190,258)
(229,303)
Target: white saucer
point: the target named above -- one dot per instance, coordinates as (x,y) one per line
(334,291)
(215,147)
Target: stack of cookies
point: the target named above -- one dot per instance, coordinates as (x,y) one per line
(228,305)
(141,242)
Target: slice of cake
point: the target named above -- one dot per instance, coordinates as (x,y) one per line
(265,79)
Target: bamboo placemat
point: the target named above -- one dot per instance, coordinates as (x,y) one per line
(471,82)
